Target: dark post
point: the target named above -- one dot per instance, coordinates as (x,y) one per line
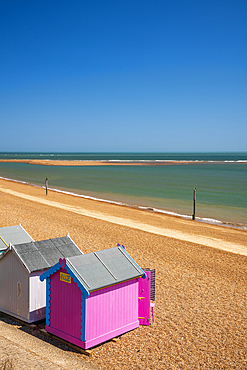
(194,205)
(46,185)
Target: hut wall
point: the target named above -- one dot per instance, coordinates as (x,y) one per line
(14,291)
(111,311)
(65,306)
(37,297)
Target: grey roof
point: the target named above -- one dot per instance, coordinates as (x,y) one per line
(104,268)
(14,235)
(46,253)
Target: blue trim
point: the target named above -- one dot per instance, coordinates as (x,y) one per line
(50,272)
(83,318)
(46,275)
(77,281)
(48,301)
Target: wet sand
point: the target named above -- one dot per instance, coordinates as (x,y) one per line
(201,269)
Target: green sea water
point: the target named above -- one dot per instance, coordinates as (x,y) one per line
(220,180)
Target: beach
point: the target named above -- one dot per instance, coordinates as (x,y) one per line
(201,275)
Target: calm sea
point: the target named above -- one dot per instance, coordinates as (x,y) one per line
(220,180)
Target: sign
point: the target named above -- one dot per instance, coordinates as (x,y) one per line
(65,277)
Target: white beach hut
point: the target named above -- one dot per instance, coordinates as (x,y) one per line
(22,294)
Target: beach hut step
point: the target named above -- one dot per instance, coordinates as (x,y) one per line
(87,352)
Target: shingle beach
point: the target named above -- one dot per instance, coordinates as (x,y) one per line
(200,314)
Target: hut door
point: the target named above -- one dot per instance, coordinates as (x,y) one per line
(144,300)
(145,296)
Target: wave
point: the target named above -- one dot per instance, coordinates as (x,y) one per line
(167,160)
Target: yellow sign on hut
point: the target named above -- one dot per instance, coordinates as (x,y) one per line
(65,277)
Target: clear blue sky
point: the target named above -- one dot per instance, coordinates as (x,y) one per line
(115,75)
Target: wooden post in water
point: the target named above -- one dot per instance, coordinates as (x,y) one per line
(46,185)
(194,205)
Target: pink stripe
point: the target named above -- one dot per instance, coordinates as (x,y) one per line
(111,308)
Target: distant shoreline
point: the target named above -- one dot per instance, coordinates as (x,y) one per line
(162,224)
(209,221)
(49,162)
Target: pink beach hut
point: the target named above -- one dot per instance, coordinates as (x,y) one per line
(93,297)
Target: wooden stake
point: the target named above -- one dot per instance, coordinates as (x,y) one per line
(46,186)
(194,205)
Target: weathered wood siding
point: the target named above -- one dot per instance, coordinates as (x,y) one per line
(14,289)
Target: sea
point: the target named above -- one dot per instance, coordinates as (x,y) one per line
(220,180)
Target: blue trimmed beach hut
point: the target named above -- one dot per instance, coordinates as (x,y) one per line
(93,297)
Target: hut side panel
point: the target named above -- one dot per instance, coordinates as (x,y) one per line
(37,297)
(65,304)
(14,291)
(111,311)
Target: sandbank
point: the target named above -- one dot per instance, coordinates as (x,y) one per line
(49,162)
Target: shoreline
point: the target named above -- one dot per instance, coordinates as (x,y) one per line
(97,211)
(149,209)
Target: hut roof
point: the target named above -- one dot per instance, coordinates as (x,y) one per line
(107,267)
(43,254)
(14,235)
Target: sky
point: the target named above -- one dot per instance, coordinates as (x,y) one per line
(123,76)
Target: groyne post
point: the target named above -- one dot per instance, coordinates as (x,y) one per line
(194,205)
(46,186)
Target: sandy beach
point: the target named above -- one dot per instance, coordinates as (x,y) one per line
(201,275)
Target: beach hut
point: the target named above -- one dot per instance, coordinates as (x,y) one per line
(22,294)
(14,235)
(93,297)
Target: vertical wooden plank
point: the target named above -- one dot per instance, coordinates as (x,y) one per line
(112,308)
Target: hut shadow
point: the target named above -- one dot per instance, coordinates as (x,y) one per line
(36,331)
